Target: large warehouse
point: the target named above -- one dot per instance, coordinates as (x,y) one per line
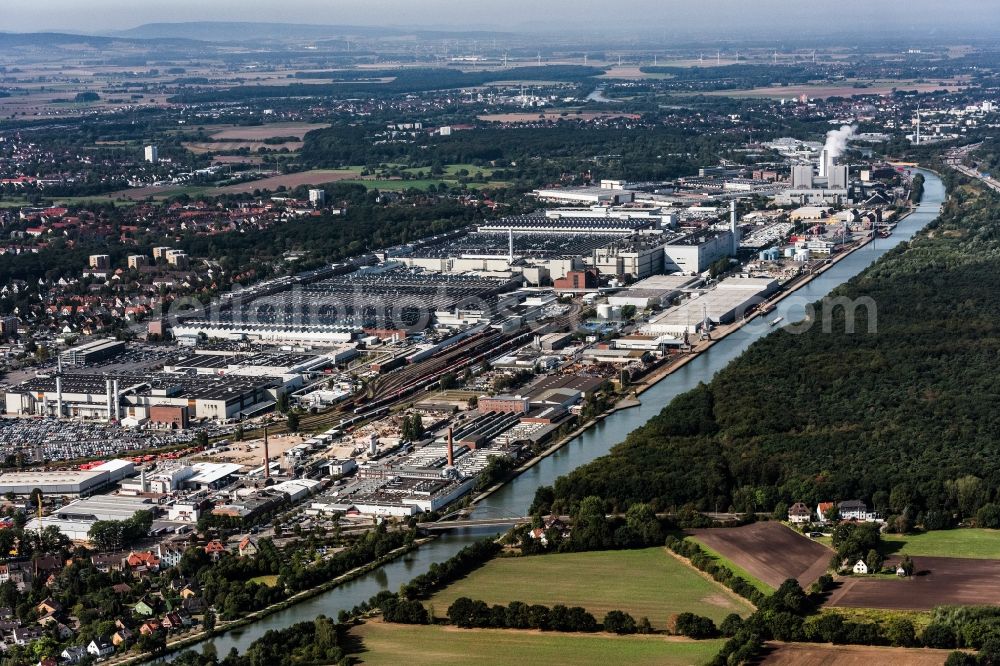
(78,483)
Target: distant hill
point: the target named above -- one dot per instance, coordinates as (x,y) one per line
(48,39)
(237,31)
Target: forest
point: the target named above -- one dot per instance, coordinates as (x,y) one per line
(902,417)
(533,154)
(403,81)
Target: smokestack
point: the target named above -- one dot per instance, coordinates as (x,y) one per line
(510,243)
(59,402)
(824,160)
(117,402)
(267,457)
(107,391)
(451,449)
(734,228)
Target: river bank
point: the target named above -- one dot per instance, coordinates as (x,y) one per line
(224,627)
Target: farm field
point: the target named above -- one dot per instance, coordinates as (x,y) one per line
(962,542)
(290,181)
(378,643)
(645,583)
(937,581)
(768,551)
(793,654)
(232,138)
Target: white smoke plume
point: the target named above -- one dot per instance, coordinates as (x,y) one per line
(836,140)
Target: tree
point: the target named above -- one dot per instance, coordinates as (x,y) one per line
(874,561)
(208,621)
(900,632)
(643,523)
(619,622)
(293,421)
(907,565)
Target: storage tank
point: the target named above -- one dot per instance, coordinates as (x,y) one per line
(604,311)
(789,252)
(802,255)
(616,312)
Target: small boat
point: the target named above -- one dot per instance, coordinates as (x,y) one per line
(769,309)
(775,322)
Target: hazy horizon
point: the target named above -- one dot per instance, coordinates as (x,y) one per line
(784,17)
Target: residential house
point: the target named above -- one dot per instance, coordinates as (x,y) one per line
(799,514)
(143,607)
(108,562)
(821,510)
(49,606)
(121,637)
(195,604)
(247,547)
(860,567)
(550,524)
(143,562)
(172,622)
(121,588)
(854,510)
(170,555)
(19,573)
(73,654)
(188,592)
(149,627)
(48,661)
(25,635)
(100,647)
(215,549)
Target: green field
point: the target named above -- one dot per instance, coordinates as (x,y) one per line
(270,580)
(645,583)
(392,644)
(961,542)
(736,569)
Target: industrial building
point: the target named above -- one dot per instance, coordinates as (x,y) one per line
(75,519)
(731,299)
(92,352)
(131,396)
(74,483)
(697,252)
(655,291)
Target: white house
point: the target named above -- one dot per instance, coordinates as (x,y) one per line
(99,647)
(860,567)
(855,510)
(799,514)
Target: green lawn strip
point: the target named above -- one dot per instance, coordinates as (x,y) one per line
(965,542)
(736,569)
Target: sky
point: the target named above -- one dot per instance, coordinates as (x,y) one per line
(781,16)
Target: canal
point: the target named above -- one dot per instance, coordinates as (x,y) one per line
(515,498)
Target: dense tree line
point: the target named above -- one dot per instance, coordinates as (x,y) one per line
(316,642)
(458,565)
(896,416)
(477,614)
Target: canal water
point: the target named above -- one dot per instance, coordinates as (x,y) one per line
(515,498)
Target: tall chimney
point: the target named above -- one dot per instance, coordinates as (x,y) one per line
(734,228)
(451,449)
(117,399)
(107,390)
(59,402)
(267,457)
